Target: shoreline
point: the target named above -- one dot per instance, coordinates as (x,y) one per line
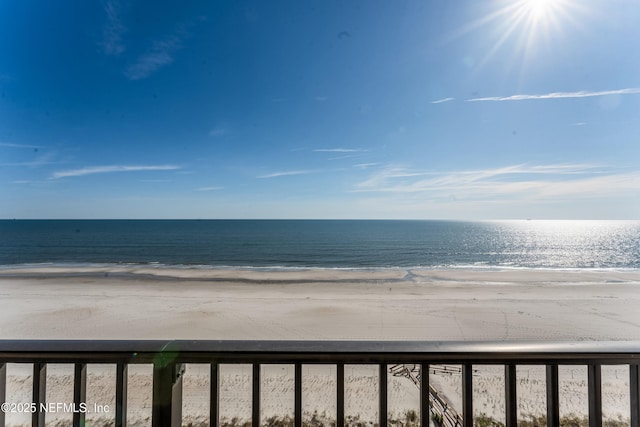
(315,274)
(444,305)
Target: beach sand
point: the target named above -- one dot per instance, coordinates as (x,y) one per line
(385,304)
(139,303)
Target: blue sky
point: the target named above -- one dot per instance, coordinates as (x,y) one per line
(320,109)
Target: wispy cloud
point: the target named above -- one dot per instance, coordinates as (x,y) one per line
(218,131)
(209,188)
(558,95)
(347,156)
(514,182)
(364,165)
(12,145)
(339,150)
(440,101)
(160,54)
(41,161)
(321,98)
(286,173)
(113,30)
(92,170)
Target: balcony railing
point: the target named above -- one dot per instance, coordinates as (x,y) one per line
(168,357)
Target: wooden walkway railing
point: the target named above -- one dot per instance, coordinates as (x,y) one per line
(439,404)
(168,357)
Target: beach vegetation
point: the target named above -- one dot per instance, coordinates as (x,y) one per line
(276,421)
(571,420)
(619,422)
(409,418)
(437,419)
(356,421)
(319,420)
(483,420)
(234,422)
(530,420)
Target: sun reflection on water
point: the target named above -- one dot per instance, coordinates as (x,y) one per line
(583,244)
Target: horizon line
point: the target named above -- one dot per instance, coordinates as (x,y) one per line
(319,219)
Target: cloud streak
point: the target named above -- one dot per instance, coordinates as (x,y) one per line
(511,183)
(365,165)
(160,54)
(339,150)
(558,95)
(92,170)
(209,188)
(112,32)
(11,145)
(285,173)
(440,101)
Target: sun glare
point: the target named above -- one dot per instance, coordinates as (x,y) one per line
(527,26)
(539,20)
(539,9)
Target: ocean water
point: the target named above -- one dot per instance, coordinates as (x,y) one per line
(325,244)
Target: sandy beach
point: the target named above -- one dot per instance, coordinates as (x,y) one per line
(385,304)
(148,303)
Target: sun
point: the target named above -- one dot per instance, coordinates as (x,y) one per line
(538,10)
(540,21)
(528,28)
(533,20)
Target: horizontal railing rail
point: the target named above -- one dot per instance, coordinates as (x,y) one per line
(169,356)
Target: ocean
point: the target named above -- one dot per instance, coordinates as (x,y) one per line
(345,244)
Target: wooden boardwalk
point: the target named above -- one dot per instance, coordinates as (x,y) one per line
(439,405)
